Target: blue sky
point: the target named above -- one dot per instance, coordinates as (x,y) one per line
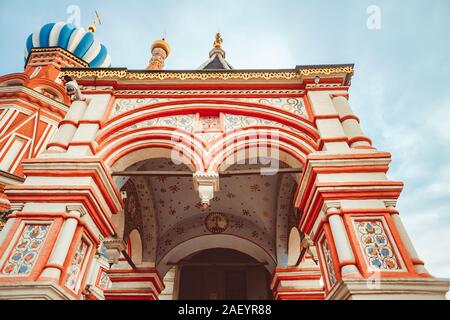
(401,87)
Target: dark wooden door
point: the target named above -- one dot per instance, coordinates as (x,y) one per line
(235,285)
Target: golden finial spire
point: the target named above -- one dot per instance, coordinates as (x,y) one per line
(160,51)
(218,42)
(93,26)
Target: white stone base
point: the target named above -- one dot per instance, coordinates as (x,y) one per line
(391,289)
(32,291)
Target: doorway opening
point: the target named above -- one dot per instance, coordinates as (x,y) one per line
(223,274)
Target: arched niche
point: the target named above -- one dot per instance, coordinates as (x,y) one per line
(294,247)
(131,157)
(248,144)
(282,156)
(135,243)
(118,220)
(194,226)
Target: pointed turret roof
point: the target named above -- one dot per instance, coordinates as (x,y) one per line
(216,59)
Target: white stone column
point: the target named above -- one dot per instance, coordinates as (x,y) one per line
(68,127)
(84,137)
(350,123)
(62,245)
(342,243)
(331,131)
(100,263)
(418,264)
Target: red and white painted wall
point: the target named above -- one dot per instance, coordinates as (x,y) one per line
(63,236)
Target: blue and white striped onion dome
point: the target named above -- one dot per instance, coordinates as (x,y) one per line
(75,40)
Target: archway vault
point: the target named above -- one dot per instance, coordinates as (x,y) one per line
(126,149)
(257,208)
(224,241)
(206,132)
(227,137)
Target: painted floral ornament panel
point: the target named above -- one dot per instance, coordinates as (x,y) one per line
(26,251)
(185,122)
(232,122)
(377,248)
(104,281)
(75,267)
(329,263)
(294,105)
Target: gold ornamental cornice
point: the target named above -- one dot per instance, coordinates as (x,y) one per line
(207,75)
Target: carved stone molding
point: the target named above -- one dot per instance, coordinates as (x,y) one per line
(17,206)
(114,247)
(76,207)
(206,183)
(390,203)
(331,205)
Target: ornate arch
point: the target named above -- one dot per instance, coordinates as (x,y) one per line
(210,107)
(292,148)
(127,148)
(194,226)
(224,241)
(124,136)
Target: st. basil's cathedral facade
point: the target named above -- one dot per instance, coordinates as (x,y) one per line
(214,183)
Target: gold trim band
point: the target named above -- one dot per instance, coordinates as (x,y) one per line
(175,75)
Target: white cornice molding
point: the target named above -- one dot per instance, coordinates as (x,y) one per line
(194,92)
(32,290)
(399,288)
(78,208)
(21,89)
(75,164)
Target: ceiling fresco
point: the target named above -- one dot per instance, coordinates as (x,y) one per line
(257,207)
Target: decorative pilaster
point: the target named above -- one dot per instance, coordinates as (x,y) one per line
(98,280)
(83,141)
(347,263)
(364,251)
(49,250)
(350,123)
(51,244)
(55,264)
(67,127)
(332,135)
(418,263)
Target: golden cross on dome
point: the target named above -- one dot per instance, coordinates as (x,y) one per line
(218,42)
(93,26)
